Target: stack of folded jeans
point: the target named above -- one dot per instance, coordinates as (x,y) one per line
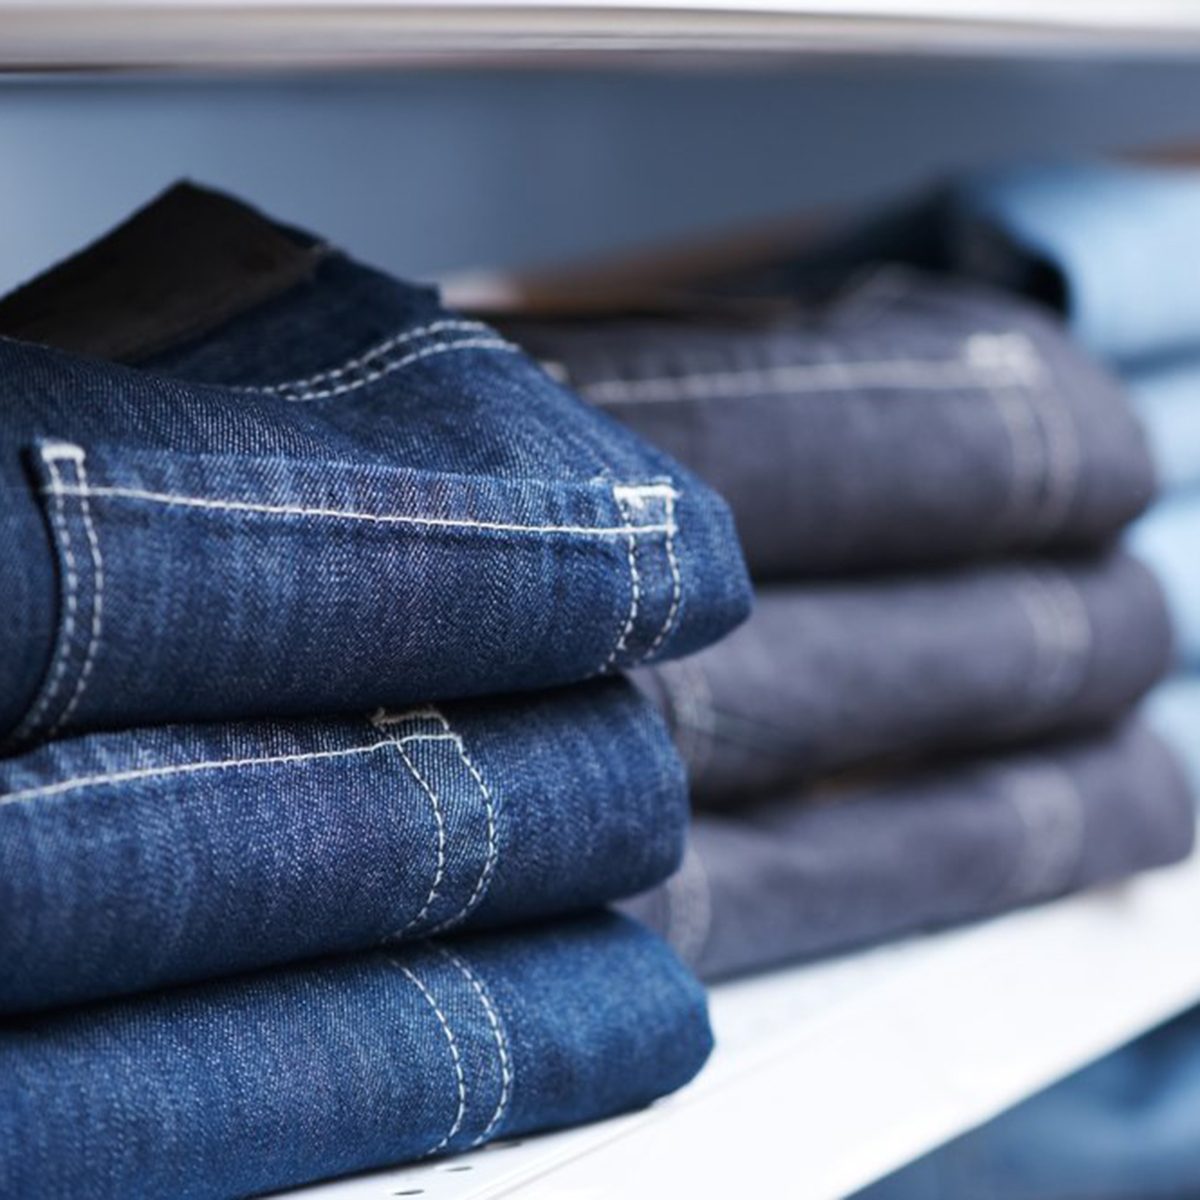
(930,715)
(291,557)
(1113,249)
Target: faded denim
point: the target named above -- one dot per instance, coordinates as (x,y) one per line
(821,873)
(904,420)
(1124,1128)
(174,853)
(346,496)
(272,1080)
(833,675)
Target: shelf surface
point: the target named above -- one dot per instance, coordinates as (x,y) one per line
(829,1076)
(114,34)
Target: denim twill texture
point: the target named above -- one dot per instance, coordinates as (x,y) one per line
(274,1079)
(901,420)
(830,675)
(135,859)
(345,496)
(819,873)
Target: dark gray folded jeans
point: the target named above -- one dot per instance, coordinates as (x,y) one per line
(831,675)
(795,878)
(905,420)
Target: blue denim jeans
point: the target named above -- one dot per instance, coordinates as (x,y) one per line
(825,871)
(274,1079)
(832,675)
(344,496)
(1167,539)
(904,420)
(136,859)
(1124,1128)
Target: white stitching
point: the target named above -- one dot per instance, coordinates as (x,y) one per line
(492,852)
(676,582)
(622,642)
(453,1044)
(85,781)
(290,510)
(389,368)
(498,1034)
(440,825)
(71,583)
(361,360)
(838,375)
(89,659)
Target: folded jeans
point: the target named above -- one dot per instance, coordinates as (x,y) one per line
(275,1079)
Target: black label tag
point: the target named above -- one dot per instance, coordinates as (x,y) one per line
(186,263)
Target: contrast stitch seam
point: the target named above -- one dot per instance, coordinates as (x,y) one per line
(440,825)
(492,851)
(902,374)
(89,660)
(70,590)
(82,782)
(622,642)
(454,1054)
(676,582)
(291,510)
(498,1035)
(361,360)
(390,368)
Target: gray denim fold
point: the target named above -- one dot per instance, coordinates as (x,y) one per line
(827,676)
(899,420)
(814,874)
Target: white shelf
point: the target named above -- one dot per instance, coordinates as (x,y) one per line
(827,1077)
(111,34)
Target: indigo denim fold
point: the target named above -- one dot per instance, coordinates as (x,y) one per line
(1124,1128)
(906,420)
(344,496)
(815,874)
(136,859)
(833,675)
(270,1080)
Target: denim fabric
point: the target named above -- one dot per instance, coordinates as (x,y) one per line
(1124,1128)
(1167,539)
(1111,247)
(793,879)
(906,420)
(829,675)
(269,1080)
(135,859)
(1167,399)
(344,497)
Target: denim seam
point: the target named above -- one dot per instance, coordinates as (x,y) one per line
(170,499)
(89,659)
(50,456)
(82,782)
(1048,805)
(440,841)
(676,581)
(621,644)
(452,1042)
(492,852)
(390,368)
(375,352)
(504,1060)
(901,374)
